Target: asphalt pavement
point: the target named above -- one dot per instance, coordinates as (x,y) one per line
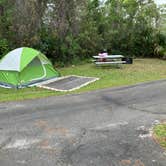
(109,127)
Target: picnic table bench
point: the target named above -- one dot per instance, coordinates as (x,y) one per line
(109,59)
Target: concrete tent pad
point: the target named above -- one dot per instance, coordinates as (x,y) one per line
(68,83)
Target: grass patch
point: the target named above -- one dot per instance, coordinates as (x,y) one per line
(26,93)
(141,71)
(160,134)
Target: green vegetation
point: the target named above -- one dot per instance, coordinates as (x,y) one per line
(26,93)
(85,27)
(141,71)
(160,134)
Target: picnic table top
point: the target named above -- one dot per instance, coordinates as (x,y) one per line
(109,56)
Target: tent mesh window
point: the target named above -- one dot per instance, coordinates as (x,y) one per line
(35,62)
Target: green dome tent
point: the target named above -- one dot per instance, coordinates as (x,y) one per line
(23,67)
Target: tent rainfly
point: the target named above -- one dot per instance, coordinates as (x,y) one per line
(23,67)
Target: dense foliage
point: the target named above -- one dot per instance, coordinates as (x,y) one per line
(69,31)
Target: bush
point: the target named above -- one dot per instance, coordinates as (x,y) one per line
(160,51)
(4,47)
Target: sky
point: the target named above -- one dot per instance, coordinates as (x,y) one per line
(160,1)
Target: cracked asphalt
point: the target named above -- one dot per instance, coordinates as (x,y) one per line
(110,127)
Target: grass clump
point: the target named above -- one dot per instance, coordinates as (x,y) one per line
(160,134)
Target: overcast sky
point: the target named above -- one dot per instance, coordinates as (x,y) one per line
(160,1)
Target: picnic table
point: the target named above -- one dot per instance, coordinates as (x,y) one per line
(109,59)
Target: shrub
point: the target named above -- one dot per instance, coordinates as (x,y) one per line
(4,47)
(160,51)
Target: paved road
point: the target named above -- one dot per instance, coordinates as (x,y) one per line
(110,127)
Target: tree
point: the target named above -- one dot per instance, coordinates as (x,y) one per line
(77,29)
(27,21)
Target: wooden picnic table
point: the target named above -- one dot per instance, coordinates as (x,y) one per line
(109,59)
(109,56)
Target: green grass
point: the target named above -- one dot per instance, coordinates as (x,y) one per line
(26,93)
(142,70)
(160,134)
